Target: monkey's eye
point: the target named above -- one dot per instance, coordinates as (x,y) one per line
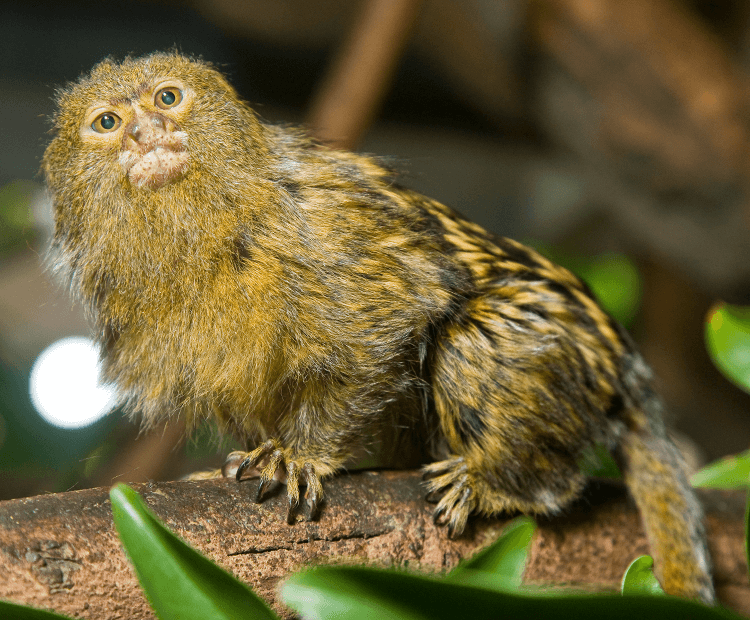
(106,122)
(168,97)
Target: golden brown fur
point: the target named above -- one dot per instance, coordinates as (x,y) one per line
(301,297)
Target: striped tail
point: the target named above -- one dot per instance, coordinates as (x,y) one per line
(654,473)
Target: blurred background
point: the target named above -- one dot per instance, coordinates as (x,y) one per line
(614,136)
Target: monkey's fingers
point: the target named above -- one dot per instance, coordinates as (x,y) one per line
(275,464)
(454,508)
(442,475)
(232,463)
(305,475)
(251,459)
(292,491)
(314,493)
(452,479)
(268,475)
(448,466)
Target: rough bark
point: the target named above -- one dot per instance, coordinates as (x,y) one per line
(61,552)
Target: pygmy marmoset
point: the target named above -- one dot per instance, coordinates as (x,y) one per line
(305,300)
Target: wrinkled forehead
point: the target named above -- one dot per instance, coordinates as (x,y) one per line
(119,82)
(124,81)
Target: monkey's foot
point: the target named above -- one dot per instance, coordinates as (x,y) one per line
(451,481)
(273,463)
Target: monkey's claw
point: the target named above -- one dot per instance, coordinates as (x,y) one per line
(451,481)
(272,463)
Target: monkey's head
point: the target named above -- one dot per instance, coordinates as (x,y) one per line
(148,155)
(148,122)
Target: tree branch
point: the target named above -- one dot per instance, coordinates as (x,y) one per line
(61,552)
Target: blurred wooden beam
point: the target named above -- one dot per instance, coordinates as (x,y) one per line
(360,74)
(666,88)
(478,48)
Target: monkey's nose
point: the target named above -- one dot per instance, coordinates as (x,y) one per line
(144,128)
(135,131)
(157,122)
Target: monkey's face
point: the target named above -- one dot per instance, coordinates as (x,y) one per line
(161,127)
(146,155)
(153,149)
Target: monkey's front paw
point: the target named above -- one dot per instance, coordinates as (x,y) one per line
(273,463)
(451,481)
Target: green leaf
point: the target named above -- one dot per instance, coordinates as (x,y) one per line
(728,342)
(613,278)
(597,462)
(179,582)
(747,531)
(732,472)
(615,281)
(355,593)
(504,560)
(639,577)
(11,611)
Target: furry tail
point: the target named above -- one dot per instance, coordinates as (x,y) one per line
(654,473)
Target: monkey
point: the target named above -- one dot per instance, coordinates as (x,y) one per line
(305,300)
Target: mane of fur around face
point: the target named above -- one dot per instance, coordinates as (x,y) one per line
(98,213)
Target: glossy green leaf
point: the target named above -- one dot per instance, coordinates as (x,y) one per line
(639,577)
(613,278)
(747,531)
(179,582)
(596,461)
(355,593)
(615,281)
(504,560)
(728,342)
(11,611)
(732,472)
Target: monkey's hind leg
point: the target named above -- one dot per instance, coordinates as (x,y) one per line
(513,417)
(465,485)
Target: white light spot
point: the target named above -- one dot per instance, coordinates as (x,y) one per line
(64,384)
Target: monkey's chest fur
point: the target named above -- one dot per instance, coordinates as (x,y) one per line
(230,320)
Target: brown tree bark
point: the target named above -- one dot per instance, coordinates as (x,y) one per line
(61,552)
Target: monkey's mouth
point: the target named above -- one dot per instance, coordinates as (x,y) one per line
(154,163)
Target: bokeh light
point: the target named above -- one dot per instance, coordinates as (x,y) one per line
(64,384)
